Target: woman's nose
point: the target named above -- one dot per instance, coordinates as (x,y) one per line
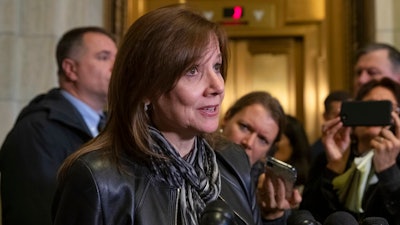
(248,141)
(216,83)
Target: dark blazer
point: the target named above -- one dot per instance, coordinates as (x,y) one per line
(96,193)
(46,131)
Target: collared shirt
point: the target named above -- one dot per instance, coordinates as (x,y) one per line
(90,116)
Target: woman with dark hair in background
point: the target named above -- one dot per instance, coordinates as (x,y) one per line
(256,121)
(294,149)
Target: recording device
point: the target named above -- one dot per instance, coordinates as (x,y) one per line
(301,217)
(217,213)
(374,221)
(366,113)
(339,218)
(277,168)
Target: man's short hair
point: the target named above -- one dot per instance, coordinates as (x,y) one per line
(72,40)
(393,53)
(334,96)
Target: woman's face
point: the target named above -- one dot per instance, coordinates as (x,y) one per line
(365,134)
(285,149)
(254,128)
(192,106)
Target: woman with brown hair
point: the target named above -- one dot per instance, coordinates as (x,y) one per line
(256,122)
(151,164)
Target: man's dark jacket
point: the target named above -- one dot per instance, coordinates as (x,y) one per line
(45,133)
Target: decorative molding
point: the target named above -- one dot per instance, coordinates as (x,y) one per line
(116,15)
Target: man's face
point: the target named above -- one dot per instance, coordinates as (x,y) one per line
(374,65)
(93,68)
(334,110)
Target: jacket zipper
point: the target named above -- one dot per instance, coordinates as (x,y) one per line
(236,213)
(176,206)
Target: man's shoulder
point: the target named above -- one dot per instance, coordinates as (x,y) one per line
(43,102)
(48,106)
(49,113)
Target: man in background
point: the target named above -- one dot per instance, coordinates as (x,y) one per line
(332,105)
(54,125)
(375,61)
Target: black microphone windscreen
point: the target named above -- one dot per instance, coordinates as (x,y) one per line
(301,217)
(340,218)
(217,213)
(375,221)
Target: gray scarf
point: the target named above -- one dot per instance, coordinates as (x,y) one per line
(197,176)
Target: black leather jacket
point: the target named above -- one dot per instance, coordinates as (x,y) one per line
(95,192)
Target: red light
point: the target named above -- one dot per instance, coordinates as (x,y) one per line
(237,12)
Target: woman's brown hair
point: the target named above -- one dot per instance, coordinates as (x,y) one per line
(385,82)
(267,101)
(155,52)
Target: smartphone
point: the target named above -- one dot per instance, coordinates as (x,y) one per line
(282,170)
(366,113)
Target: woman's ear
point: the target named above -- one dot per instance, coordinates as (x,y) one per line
(146,104)
(222,124)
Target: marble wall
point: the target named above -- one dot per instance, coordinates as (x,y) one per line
(384,21)
(29,31)
(388,22)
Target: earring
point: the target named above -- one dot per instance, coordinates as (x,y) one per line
(146,106)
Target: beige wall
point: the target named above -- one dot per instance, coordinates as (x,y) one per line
(29,30)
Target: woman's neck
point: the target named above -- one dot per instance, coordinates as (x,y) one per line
(363,147)
(181,145)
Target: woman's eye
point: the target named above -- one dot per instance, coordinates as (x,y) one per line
(192,71)
(218,67)
(263,141)
(243,127)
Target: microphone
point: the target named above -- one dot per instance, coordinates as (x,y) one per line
(217,213)
(375,221)
(301,217)
(339,218)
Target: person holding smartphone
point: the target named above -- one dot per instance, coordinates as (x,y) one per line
(360,172)
(256,121)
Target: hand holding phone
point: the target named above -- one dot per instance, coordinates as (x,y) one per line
(282,170)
